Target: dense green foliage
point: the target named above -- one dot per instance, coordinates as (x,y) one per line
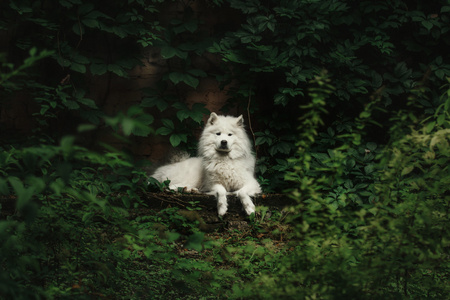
(395,244)
(348,105)
(381,50)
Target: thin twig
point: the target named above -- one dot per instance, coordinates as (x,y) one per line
(164,199)
(59,48)
(81,33)
(249,119)
(173,199)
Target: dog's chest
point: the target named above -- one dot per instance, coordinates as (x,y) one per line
(228,173)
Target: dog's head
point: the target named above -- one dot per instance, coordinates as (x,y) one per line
(224,131)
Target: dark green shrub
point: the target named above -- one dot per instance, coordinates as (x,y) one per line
(65,227)
(393,246)
(371,50)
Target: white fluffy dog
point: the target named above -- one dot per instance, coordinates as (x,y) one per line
(225,164)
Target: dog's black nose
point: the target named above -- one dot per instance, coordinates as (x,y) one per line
(223,142)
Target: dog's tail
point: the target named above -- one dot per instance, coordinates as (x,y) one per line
(176,155)
(173,156)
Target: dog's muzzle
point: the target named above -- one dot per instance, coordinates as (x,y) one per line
(223,147)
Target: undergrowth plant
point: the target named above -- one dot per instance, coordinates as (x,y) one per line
(393,246)
(65,223)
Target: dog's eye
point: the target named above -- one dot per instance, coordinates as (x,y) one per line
(218,133)
(229,134)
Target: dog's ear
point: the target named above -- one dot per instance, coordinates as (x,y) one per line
(240,121)
(212,118)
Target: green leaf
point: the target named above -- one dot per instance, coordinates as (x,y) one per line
(180,106)
(78,67)
(81,59)
(86,127)
(145,119)
(441,119)
(195,241)
(163,131)
(191,26)
(24,194)
(157,101)
(430,126)
(445,9)
(407,170)
(172,236)
(87,102)
(4,190)
(427,24)
(95,14)
(369,169)
(364,115)
(91,23)
(66,144)
(175,77)
(350,163)
(198,111)
(66,4)
(116,69)
(280,147)
(191,81)
(87,217)
(71,104)
(141,130)
(183,114)
(168,52)
(322,157)
(281,99)
(63,62)
(175,140)
(371,146)
(168,123)
(331,132)
(120,31)
(247,7)
(44,109)
(99,69)
(260,140)
(78,29)
(127,126)
(85,8)
(134,110)
(20,7)
(440,73)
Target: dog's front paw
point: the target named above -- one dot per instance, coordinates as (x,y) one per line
(249,208)
(221,209)
(188,190)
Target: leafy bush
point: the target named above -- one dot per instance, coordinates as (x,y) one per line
(393,246)
(67,232)
(371,50)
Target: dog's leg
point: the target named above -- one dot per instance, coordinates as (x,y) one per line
(250,189)
(221,194)
(247,203)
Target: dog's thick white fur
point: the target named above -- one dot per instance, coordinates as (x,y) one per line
(225,164)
